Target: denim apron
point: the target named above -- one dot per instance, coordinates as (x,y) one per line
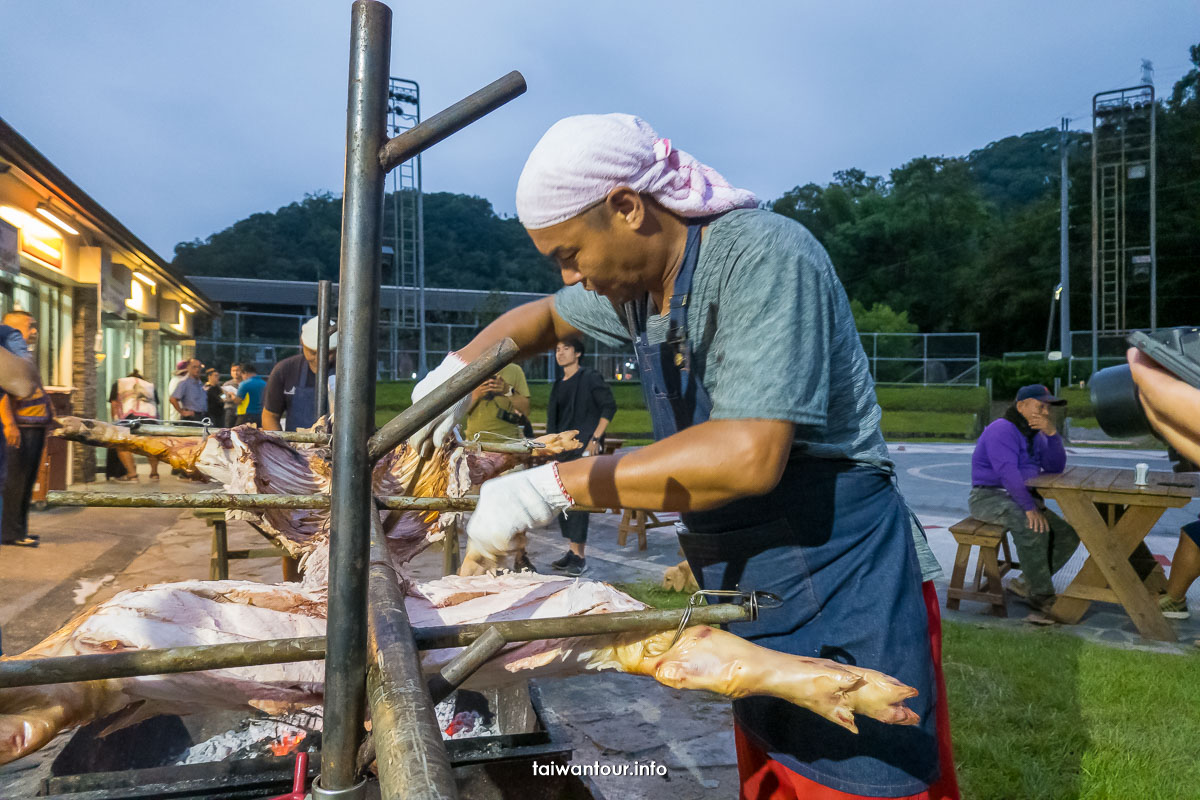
(832,540)
(302,411)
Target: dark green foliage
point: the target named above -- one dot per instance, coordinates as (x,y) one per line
(943,244)
(1009,376)
(467,246)
(972,244)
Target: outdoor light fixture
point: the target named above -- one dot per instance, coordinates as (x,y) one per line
(44,210)
(29,224)
(39,245)
(186,307)
(1058,291)
(146,279)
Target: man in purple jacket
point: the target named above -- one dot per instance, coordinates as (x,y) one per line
(1021,444)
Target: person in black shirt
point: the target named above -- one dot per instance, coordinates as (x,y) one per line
(216,398)
(580,400)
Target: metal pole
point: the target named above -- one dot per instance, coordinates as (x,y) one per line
(1095,250)
(412,761)
(167,660)
(1153,215)
(164,661)
(449,121)
(1064,251)
(422,358)
(248,501)
(185,431)
(465,664)
(358,314)
(411,419)
(324,293)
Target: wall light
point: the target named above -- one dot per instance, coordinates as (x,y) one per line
(186,307)
(41,246)
(44,210)
(146,279)
(30,224)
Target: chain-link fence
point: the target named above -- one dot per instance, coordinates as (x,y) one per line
(923,358)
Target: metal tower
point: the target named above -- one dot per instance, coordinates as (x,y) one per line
(405,234)
(1123,211)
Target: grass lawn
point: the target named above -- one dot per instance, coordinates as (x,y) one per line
(925,412)
(1043,715)
(909,424)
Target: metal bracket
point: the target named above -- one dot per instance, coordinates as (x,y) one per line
(756,600)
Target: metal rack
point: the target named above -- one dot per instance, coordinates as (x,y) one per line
(370,650)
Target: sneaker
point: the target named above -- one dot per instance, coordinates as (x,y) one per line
(27,541)
(563,562)
(523,564)
(577,567)
(1042,602)
(1018,587)
(1173,609)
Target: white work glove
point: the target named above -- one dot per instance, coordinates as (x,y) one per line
(514,503)
(440,427)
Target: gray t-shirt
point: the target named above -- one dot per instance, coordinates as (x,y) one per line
(771,332)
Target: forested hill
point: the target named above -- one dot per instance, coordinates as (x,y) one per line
(467,246)
(958,244)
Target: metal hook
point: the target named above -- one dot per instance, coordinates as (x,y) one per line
(754,598)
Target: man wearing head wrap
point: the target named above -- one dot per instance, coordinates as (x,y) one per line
(291,391)
(767,427)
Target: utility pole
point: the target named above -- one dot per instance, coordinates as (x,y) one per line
(1064,256)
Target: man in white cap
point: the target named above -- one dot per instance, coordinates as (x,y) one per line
(292,386)
(769,439)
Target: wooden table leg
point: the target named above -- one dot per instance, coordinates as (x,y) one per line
(291,569)
(1110,549)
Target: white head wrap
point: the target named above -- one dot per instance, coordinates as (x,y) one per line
(308,335)
(581,159)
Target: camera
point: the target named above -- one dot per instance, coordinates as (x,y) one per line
(1114,394)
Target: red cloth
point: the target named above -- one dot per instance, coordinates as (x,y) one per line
(765,779)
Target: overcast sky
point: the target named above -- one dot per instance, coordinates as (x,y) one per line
(182,118)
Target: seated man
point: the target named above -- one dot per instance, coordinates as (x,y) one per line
(1018,446)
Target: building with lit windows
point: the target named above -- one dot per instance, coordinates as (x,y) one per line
(105,302)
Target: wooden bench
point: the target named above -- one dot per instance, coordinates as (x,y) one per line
(639,521)
(989,567)
(218,562)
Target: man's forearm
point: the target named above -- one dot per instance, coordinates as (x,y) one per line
(270,421)
(175,404)
(702,467)
(535,327)
(601,427)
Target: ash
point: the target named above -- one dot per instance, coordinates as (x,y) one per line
(253,737)
(465,715)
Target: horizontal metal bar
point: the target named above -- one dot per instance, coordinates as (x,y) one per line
(247,501)
(522,447)
(299,437)
(527,630)
(102,666)
(163,661)
(450,120)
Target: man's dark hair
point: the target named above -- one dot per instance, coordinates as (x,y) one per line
(248,368)
(576,343)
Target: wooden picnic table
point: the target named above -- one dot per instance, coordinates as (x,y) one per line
(1112,516)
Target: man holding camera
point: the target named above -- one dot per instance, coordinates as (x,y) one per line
(1011,450)
(500,406)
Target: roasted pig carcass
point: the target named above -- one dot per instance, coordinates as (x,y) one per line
(248,460)
(211,612)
